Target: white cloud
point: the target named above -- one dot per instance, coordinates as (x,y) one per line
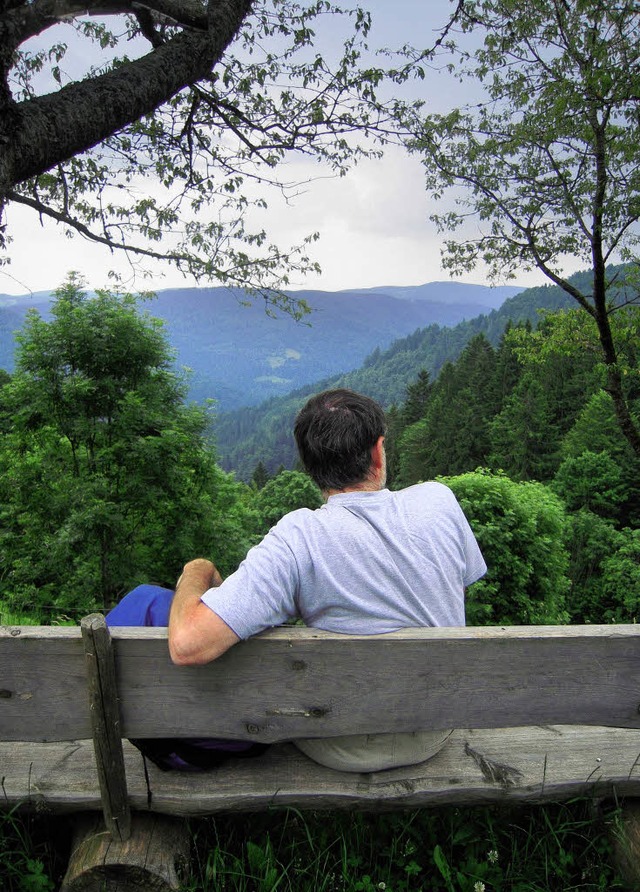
(374,230)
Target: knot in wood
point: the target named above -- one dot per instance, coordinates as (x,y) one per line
(5,694)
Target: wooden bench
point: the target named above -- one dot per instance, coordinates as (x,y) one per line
(543,713)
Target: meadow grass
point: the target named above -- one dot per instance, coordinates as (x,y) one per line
(534,849)
(9,618)
(555,848)
(31,857)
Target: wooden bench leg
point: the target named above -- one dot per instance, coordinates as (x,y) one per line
(155,858)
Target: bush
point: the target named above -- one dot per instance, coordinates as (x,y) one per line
(621,580)
(520,528)
(286,492)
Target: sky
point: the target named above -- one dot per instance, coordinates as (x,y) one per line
(374,223)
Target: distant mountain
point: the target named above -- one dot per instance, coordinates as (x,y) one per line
(263,433)
(239,356)
(483,297)
(12,313)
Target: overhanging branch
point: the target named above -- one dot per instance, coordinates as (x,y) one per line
(49,130)
(27,20)
(65,218)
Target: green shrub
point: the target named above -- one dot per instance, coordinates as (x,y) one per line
(621,580)
(286,492)
(520,528)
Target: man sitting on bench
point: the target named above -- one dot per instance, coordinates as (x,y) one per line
(368,561)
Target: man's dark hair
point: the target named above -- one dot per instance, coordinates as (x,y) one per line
(334,433)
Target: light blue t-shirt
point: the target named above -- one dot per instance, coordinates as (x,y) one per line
(364,563)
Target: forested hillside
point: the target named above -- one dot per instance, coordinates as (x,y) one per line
(512,411)
(263,433)
(241,355)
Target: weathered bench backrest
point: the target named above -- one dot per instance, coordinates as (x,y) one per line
(296,682)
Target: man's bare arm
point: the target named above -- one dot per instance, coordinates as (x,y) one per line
(196,634)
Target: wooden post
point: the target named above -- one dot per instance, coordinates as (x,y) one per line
(155,857)
(105,721)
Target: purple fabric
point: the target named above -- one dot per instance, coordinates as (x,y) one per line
(146,605)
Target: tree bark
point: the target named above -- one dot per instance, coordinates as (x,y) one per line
(625,419)
(37,134)
(614,384)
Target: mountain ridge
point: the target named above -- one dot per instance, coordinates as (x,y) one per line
(239,356)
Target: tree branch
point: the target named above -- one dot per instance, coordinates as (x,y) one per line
(186,13)
(82,114)
(80,227)
(242,272)
(27,20)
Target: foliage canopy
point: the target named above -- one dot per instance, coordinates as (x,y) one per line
(106,478)
(547,161)
(520,528)
(154,128)
(287,491)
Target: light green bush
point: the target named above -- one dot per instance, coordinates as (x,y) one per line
(520,528)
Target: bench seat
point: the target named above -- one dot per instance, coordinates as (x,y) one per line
(532,764)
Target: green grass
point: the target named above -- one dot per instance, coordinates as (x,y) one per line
(561,847)
(557,848)
(32,853)
(9,618)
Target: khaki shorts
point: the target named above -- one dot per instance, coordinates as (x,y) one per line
(373,752)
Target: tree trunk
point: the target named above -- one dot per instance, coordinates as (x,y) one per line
(48,130)
(614,386)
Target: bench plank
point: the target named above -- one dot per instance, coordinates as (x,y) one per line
(297,682)
(474,767)
(43,684)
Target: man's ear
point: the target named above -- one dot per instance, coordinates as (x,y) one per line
(377,454)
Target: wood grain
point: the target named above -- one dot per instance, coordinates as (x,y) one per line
(105,724)
(302,683)
(147,861)
(43,684)
(296,682)
(474,767)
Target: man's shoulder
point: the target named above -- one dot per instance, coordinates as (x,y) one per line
(426,500)
(298,518)
(430,489)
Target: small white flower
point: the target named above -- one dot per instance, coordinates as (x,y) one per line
(478,887)
(492,856)
(382,885)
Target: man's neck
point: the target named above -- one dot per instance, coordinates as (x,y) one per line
(365,486)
